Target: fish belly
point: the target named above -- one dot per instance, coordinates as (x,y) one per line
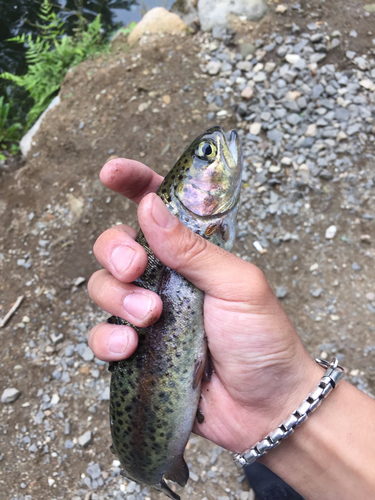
(155,392)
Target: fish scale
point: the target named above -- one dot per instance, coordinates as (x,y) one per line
(155,393)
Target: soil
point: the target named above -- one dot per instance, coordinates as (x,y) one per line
(56,197)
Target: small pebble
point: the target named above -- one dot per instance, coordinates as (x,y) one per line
(331,232)
(10,395)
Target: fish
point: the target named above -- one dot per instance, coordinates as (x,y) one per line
(155,393)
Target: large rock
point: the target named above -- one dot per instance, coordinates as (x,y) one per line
(157,20)
(27,140)
(218,12)
(187,10)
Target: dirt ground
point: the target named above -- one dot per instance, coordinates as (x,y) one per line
(53,207)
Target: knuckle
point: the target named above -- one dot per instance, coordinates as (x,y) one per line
(260,287)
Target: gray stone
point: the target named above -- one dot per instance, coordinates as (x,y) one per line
(275,135)
(361,63)
(326,175)
(85,440)
(293,119)
(87,354)
(69,351)
(105,395)
(317,57)
(353,34)
(350,54)
(353,129)
(316,292)
(260,77)
(317,37)
(342,114)
(317,91)
(265,116)
(281,292)
(244,65)
(302,103)
(247,49)
(356,266)
(69,444)
(218,12)
(10,395)
(334,43)
(94,472)
(213,67)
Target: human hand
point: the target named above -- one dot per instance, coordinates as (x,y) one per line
(262,371)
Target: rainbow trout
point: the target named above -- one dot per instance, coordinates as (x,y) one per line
(155,393)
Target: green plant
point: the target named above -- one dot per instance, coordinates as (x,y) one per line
(9,132)
(126,30)
(50,56)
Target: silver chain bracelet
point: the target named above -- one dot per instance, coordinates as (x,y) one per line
(331,378)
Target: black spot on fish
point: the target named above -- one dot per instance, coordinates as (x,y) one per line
(128,409)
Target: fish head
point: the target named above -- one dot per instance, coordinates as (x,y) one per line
(207,177)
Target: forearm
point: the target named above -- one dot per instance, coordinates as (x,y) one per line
(332,455)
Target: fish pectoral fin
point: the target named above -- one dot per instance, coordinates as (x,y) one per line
(198,372)
(208,368)
(200,416)
(179,472)
(167,491)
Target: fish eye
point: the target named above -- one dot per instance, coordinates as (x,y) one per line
(206,150)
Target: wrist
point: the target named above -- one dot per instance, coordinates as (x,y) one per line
(292,386)
(331,454)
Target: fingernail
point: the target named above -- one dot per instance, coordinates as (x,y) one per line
(137,304)
(118,341)
(161,215)
(122,257)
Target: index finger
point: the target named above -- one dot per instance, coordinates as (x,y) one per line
(130,178)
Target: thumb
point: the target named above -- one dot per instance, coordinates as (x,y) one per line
(209,267)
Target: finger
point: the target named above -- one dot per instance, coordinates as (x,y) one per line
(136,305)
(130,178)
(112,342)
(209,267)
(116,251)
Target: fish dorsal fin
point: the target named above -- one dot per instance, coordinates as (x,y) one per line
(167,491)
(179,472)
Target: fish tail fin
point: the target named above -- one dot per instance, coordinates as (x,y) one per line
(167,490)
(178,472)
